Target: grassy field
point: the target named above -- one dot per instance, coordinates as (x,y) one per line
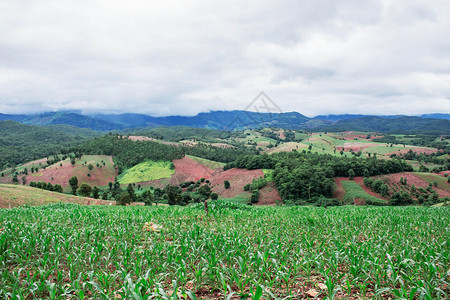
(19,195)
(147,171)
(206,162)
(432,178)
(79,252)
(354,191)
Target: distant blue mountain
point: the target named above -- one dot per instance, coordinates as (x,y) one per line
(335,118)
(437,116)
(238,119)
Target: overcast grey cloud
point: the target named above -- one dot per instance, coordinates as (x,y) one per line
(184,57)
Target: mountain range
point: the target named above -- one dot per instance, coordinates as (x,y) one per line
(229,120)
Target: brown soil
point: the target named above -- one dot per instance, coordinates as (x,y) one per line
(187,169)
(140,138)
(415,180)
(237,178)
(57,174)
(339,192)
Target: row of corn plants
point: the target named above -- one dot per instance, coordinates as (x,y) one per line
(67,251)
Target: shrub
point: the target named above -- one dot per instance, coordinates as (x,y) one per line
(400,198)
(255,196)
(226,184)
(325,202)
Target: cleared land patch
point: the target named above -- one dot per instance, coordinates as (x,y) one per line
(147,171)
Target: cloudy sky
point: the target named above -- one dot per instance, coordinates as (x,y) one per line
(185,57)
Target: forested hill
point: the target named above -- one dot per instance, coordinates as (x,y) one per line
(391,125)
(20,143)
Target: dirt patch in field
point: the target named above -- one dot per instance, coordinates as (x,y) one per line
(237,178)
(57,174)
(413,179)
(269,195)
(357,146)
(339,192)
(140,138)
(417,150)
(187,169)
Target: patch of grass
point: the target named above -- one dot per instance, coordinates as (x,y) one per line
(206,162)
(147,171)
(355,191)
(432,178)
(19,195)
(242,198)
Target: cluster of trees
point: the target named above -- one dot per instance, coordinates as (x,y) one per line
(254,187)
(47,186)
(306,175)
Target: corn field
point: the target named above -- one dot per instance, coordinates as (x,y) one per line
(67,251)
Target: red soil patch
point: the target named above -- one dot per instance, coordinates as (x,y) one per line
(237,178)
(340,191)
(187,169)
(417,150)
(57,174)
(355,146)
(415,180)
(42,161)
(222,145)
(140,138)
(269,195)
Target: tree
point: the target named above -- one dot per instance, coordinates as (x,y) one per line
(73,182)
(214,196)
(366,173)
(58,188)
(384,189)
(90,167)
(400,198)
(84,190)
(205,191)
(24,180)
(255,196)
(105,196)
(148,197)
(110,184)
(351,174)
(123,199)
(173,194)
(226,184)
(15,180)
(130,191)
(95,192)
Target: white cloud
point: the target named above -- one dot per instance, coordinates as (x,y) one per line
(172,57)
